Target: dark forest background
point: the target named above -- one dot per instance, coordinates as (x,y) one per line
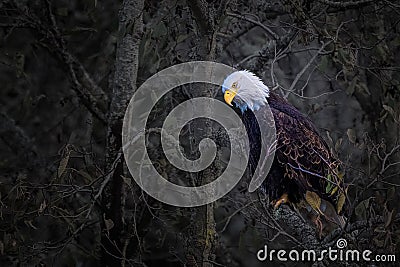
(69,68)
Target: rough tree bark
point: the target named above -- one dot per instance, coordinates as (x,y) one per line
(123,86)
(201,238)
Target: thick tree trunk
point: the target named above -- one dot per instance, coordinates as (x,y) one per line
(123,86)
(201,236)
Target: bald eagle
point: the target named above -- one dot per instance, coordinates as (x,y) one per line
(304,169)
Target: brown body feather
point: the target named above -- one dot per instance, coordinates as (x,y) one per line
(303,161)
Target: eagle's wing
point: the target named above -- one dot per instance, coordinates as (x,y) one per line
(304,155)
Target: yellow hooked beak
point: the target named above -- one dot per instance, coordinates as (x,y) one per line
(228,96)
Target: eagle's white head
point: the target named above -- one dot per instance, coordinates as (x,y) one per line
(245,90)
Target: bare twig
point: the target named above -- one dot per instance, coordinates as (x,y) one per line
(298,76)
(90,94)
(268,30)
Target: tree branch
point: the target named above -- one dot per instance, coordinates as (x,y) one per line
(201,13)
(306,234)
(91,95)
(305,68)
(268,30)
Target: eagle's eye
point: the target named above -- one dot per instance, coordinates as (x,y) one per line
(234,85)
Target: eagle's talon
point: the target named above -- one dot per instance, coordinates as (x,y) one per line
(282,200)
